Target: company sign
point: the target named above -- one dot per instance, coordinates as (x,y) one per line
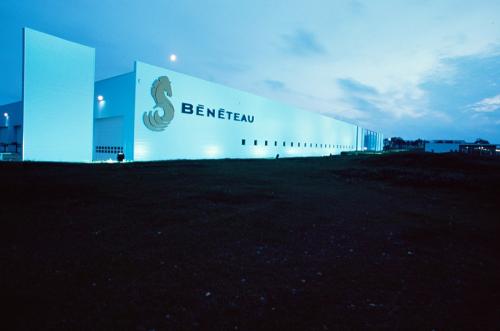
(161,91)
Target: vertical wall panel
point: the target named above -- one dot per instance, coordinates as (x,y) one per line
(58,92)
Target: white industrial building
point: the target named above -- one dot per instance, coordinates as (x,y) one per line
(152,113)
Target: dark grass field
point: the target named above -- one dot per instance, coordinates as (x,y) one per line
(403,241)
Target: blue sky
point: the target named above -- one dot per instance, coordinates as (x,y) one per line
(416,69)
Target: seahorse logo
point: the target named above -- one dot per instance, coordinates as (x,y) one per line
(152,119)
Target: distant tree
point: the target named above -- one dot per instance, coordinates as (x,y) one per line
(397,139)
(397,142)
(480,141)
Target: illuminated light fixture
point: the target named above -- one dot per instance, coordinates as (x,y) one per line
(173,57)
(6,114)
(100,98)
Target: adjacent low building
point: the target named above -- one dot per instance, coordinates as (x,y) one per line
(11,128)
(443,146)
(152,113)
(480,149)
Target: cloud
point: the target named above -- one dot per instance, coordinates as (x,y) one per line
(487,105)
(368,99)
(275,85)
(356,7)
(303,43)
(353,86)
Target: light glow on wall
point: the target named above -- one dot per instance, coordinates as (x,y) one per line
(101,105)
(213,151)
(292,151)
(259,151)
(6,115)
(141,151)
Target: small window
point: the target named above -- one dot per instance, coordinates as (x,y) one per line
(305,144)
(243,142)
(284,144)
(298,144)
(255,142)
(291,144)
(316,145)
(275,143)
(310,145)
(265,143)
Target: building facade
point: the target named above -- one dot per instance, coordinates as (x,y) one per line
(152,113)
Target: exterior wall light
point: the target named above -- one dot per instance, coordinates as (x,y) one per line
(100,98)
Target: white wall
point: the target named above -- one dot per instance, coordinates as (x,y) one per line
(190,136)
(58,92)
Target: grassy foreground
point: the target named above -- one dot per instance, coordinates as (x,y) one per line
(404,241)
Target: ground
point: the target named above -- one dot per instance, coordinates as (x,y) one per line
(400,241)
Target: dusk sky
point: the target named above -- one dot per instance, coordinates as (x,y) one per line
(415,69)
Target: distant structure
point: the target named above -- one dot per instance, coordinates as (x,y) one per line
(443,146)
(480,147)
(152,113)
